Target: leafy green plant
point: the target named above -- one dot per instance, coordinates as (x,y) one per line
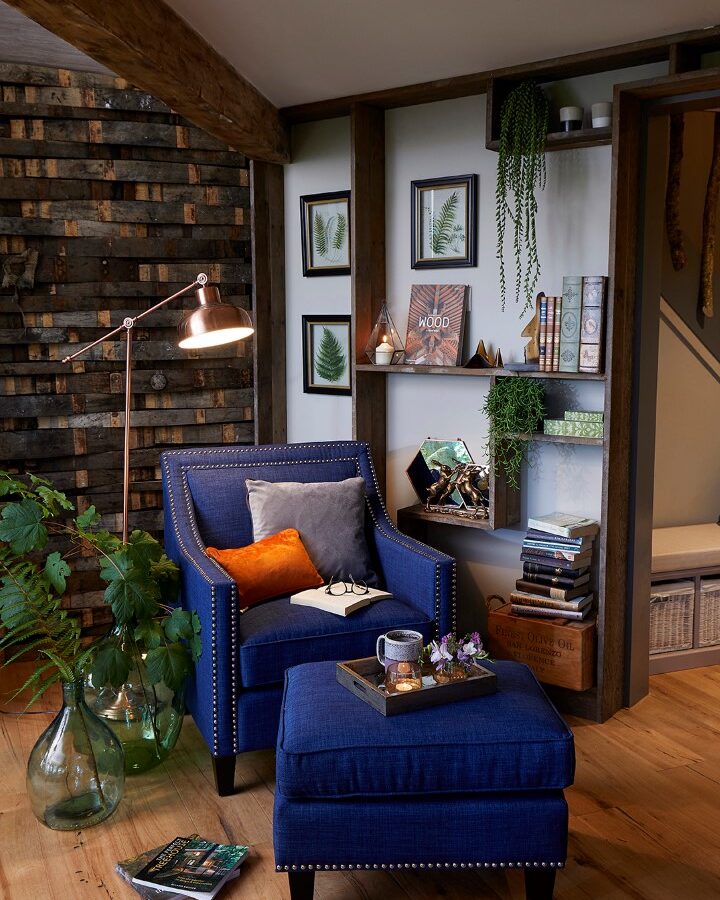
(514,406)
(141,587)
(330,359)
(520,171)
(445,233)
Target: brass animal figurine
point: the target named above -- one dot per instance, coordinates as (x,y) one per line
(438,488)
(469,483)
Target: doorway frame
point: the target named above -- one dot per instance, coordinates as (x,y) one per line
(633,349)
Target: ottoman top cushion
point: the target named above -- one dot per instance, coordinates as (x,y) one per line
(332,744)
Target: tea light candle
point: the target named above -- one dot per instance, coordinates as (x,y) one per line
(384,353)
(404,686)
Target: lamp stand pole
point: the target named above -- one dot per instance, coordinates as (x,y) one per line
(128,325)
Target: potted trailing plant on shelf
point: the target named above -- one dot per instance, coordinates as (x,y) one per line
(137,674)
(75,772)
(520,172)
(514,406)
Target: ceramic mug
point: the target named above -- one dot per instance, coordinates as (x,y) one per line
(400,645)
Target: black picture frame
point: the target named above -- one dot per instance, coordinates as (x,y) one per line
(311,385)
(469,184)
(312,263)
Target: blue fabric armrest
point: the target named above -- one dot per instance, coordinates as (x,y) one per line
(415,573)
(206,588)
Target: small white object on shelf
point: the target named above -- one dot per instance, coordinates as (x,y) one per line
(384,353)
(571,118)
(601,114)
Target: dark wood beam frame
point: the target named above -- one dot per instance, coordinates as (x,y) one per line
(267,201)
(147,43)
(367,222)
(683,51)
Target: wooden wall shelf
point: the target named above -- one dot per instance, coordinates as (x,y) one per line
(417,513)
(409,369)
(541,437)
(569,140)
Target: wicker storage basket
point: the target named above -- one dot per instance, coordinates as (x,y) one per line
(709,612)
(671,616)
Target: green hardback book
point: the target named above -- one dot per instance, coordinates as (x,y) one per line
(573,429)
(191,867)
(583,415)
(570,324)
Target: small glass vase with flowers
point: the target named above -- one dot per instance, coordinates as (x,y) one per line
(452,658)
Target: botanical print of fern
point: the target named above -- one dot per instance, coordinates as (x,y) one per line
(444,235)
(329,236)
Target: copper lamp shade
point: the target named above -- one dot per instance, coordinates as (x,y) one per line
(213,323)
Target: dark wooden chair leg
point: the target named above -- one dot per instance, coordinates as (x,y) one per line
(539,884)
(302,885)
(224,771)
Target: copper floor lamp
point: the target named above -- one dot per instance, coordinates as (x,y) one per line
(212,324)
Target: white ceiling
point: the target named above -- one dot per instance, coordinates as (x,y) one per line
(24,41)
(296,51)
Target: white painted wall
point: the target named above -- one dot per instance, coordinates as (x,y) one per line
(687,442)
(448,138)
(321,162)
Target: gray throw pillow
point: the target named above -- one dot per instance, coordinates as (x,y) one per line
(329,515)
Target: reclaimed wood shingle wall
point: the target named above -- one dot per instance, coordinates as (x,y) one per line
(125,203)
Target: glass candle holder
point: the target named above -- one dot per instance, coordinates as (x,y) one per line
(401,677)
(384,347)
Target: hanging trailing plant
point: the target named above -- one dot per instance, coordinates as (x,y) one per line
(521,170)
(514,407)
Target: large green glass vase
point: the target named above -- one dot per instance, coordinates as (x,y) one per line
(146,718)
(75,773)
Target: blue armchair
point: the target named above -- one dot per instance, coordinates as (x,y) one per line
(236,691)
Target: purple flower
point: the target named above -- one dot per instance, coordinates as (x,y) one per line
(477,640)
(439,653)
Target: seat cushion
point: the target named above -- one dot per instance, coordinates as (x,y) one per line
(332,744)
(279,634)
(685,547)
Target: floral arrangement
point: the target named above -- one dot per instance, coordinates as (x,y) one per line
(451,649)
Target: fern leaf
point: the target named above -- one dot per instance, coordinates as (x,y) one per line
(442,226)
(340,231)
(320,235)
(330,359)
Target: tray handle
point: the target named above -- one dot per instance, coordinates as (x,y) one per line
(360,686)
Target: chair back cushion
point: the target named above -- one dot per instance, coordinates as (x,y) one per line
(212,480)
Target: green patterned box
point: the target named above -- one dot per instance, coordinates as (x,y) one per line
(583,415)
(573,429)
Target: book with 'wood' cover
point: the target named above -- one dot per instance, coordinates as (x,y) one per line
(436,324)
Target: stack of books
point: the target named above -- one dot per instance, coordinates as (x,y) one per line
(576,423)
(556,557)
(186,867)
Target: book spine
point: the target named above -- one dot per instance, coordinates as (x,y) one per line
(562,530)
(549,330)
(548,602)
(570,324)
(556,334)
(557,545)
(547,613)
(555,566)
(592,323)
(551,578)
(548,590)
(533,534)
(545,553)
(583,415)
(543,332)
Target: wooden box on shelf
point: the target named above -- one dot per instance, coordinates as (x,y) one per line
(559,651)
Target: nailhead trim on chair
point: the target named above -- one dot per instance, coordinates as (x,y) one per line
(472,865)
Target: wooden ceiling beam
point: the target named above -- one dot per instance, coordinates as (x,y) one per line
(147,43)
(577,64)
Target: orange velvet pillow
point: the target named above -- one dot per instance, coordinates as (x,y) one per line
(276,565)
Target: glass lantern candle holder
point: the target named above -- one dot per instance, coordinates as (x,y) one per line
(401,677)
(384,347)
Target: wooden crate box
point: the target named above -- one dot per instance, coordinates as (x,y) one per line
(559,651)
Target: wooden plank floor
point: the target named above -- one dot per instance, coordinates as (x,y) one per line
(645,815)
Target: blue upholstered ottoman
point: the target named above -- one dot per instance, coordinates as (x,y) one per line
(474,784)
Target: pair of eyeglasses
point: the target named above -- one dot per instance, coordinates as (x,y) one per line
(338,588)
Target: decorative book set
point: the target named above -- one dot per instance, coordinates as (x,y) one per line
(576,423)
(571,326)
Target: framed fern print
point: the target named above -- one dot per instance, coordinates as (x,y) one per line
(326,355)
(325,222)
(444,222)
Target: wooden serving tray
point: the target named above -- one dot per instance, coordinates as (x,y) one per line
(362,677)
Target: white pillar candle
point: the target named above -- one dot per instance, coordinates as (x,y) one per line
(384,353)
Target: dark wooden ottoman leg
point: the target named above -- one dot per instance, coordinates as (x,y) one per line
(224,771)
(539,884)
(302,885)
